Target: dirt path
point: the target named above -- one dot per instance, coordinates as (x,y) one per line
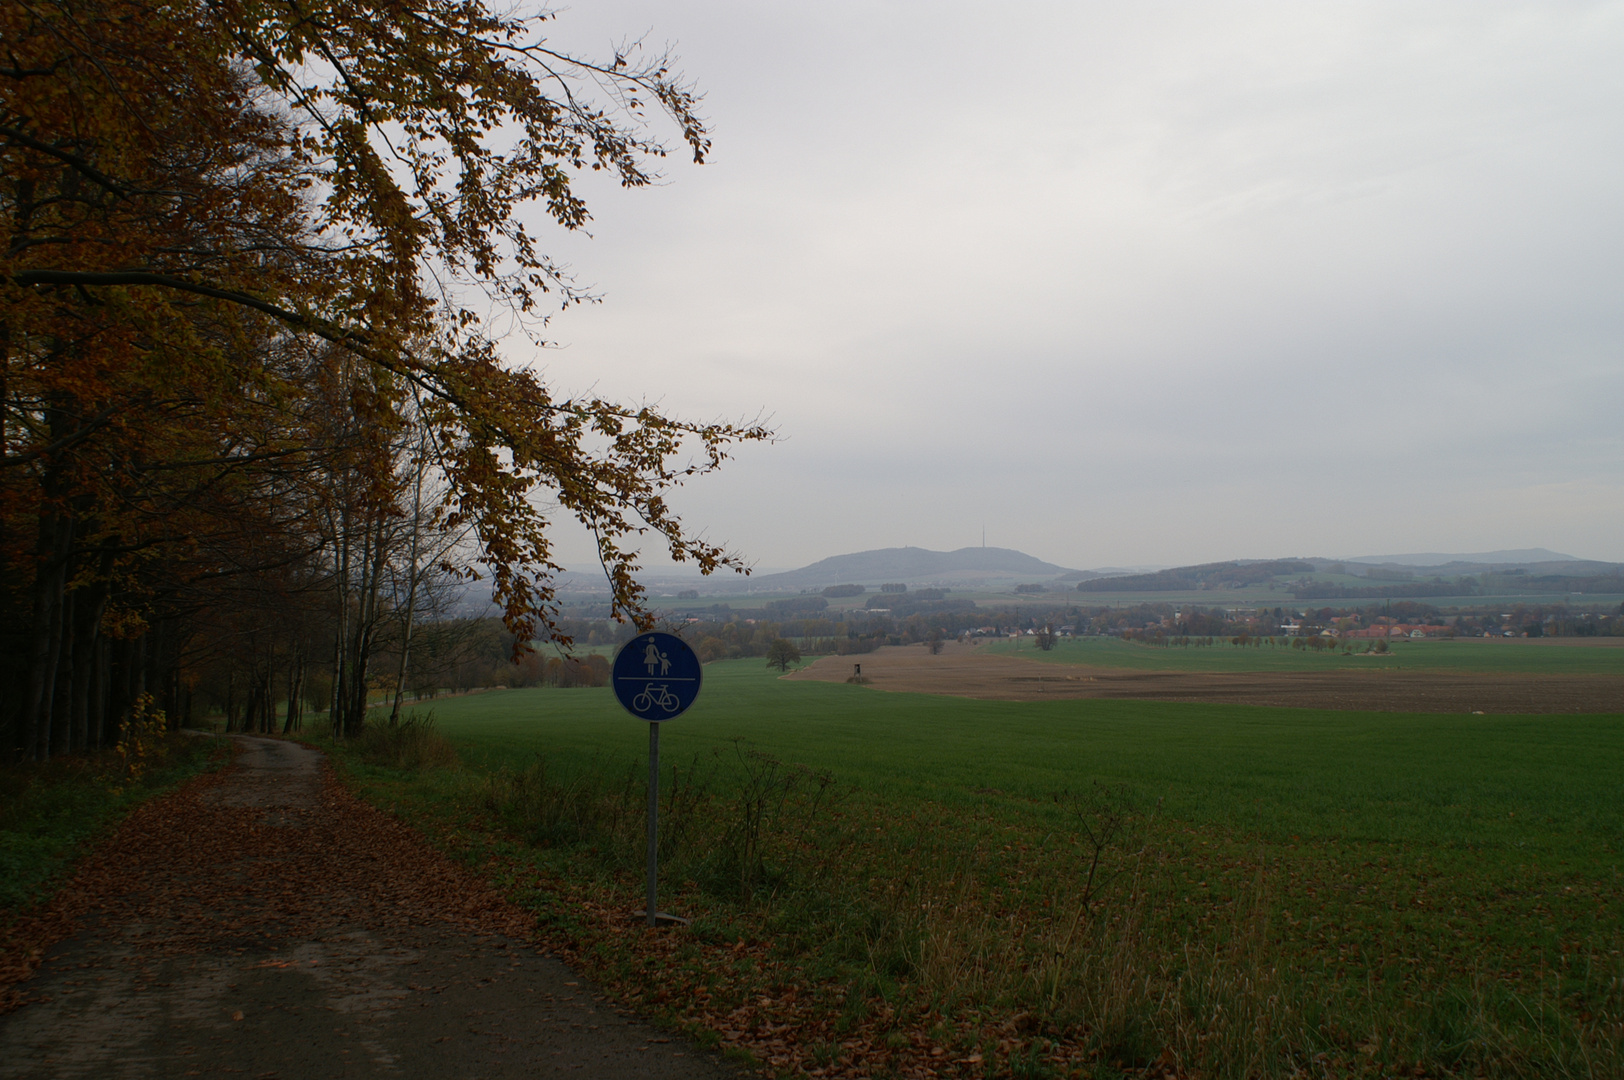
(263,922)
(970,671)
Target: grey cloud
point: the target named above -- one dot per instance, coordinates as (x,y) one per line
(1159,283)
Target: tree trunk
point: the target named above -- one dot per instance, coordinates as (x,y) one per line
(341,580)
(88,609)
(55,539)
(101,701)
(267,712)
(252,713)
(295,689)
(163,670)
(83,654)
(367,635)
(138,668)
(420,463)
(61,713)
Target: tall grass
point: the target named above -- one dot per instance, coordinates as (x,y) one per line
(542,808)
(410,742)
(731,821)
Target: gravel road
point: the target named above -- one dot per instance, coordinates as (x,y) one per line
(262,922)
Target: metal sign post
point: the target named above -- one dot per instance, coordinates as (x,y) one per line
(653,821)
(656,676)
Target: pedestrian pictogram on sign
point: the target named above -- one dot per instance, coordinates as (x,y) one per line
(656,676)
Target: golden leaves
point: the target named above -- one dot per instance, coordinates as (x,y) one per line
(221,207)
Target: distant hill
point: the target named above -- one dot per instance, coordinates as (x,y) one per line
(1206,576)
(1515,557)
(911,564)
(1528,571)
(1110,571)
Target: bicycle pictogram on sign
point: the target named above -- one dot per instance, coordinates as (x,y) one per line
(656,676)
(656,695)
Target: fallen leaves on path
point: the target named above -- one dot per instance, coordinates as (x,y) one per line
(184,874)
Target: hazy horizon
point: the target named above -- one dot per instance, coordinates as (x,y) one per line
(1418,560)
(1155,285)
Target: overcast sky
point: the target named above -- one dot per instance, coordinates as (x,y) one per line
(1130,283)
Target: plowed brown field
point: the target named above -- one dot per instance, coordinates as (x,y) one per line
(968,671)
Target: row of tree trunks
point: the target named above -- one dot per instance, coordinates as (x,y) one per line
(378,556)
(257,712)
(81,681)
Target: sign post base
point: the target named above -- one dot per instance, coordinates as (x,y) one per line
(661,918)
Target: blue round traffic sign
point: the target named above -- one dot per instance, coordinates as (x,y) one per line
(656,676)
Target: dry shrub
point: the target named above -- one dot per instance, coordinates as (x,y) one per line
(550,811)
(140,740)
(410,743)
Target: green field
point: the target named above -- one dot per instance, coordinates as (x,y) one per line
(1281,771)
(1326,893)
(1538,656)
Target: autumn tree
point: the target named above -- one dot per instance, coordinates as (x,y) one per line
(781,653)
(241,238)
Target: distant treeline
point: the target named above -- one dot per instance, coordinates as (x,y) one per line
(1220,575)
(1557,583)
(461,654)
(1464,586)
(1316,590)
(797,605)
(464,654)
(918,602)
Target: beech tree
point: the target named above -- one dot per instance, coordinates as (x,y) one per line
(781,653)
(241,236)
